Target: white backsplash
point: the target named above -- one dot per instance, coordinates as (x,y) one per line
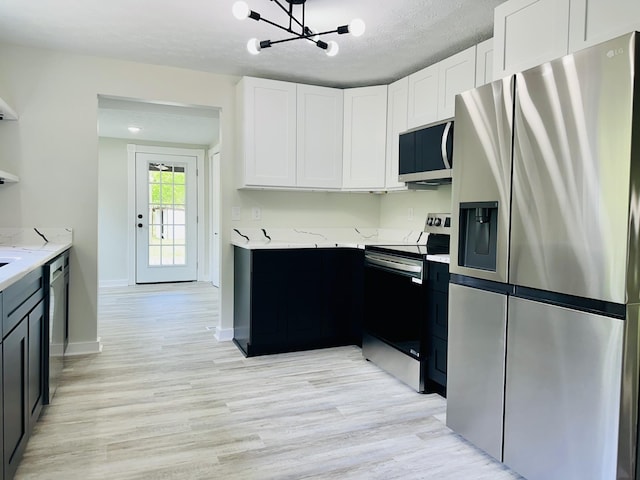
(35,237)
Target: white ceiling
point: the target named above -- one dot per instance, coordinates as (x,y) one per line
(401,37)
(158,122)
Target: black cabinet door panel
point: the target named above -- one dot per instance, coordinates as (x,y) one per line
(15,392)
(438,314)
(437,363)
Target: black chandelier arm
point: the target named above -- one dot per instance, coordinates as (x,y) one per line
(299,37)
(278,26)
(289,12)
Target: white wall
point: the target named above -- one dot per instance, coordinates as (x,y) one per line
(54,149)
(394,207)
(307,209)
(112,212)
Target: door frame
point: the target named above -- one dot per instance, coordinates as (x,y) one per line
(215,202)
(132,149)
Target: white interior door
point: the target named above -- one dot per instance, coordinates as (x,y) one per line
(215,218)
(166,218)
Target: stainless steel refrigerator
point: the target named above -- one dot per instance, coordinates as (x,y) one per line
(543,357)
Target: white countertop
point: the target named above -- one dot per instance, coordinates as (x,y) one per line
(25,251)
(289,238)
(292,238)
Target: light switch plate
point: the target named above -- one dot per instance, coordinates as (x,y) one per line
(256,213)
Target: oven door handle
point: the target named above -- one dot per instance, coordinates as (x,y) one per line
(401,267)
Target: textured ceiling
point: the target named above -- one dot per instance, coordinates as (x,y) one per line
(402,36)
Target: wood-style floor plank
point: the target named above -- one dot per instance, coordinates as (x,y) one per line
(165,400)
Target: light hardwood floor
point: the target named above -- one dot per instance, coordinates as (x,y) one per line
(165,400)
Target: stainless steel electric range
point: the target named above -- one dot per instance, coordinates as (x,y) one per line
(397,332)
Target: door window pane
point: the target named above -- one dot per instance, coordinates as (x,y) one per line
(167,214)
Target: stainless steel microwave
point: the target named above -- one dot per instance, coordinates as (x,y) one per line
(426,155)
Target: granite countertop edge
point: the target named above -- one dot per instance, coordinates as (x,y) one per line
(29,257)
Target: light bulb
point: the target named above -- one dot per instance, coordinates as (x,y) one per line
(134,129)
(240,10)
(253,45)
(332,49)
(356,27)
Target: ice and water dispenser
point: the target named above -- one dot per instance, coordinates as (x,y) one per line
(478,235)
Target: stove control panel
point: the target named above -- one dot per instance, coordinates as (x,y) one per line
(438,223)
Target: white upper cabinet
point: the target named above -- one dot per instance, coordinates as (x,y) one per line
(457,74)
(423,97)
(432,90)
(528,33)
(319,137)
(594,21)
(365,133)
(484,62)
(397,103)
(267,112)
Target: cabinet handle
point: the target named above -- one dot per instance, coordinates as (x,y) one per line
(443,145)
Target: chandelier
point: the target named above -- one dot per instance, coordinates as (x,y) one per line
(297,28)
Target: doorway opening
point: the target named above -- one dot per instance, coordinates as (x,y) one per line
(168,184)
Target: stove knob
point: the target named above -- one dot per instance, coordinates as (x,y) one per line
(437,222)
(429,221)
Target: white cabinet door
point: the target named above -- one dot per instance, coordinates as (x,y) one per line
(423,97)
(267,109)
(457,74)
(397,103)
(319,139)
(528,33)
(365,133)
(594,21)
(484,62)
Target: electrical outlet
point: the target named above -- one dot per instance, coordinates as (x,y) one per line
(235,214)
(410,213)
(256,213)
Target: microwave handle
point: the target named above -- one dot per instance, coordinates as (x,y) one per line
(443,146)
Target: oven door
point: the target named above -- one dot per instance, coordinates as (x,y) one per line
(395,301)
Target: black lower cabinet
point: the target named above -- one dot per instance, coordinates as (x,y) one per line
(437,325)
(288,300)
(23,366)
(15,361)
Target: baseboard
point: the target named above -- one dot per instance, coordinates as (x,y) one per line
(223,334)
(123,282)
(83,348)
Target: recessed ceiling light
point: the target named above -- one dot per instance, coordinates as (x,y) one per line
(134,129)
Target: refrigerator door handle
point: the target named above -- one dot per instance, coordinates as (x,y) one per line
(443,146)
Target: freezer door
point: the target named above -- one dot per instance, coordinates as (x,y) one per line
(571,173)
(482,170)
(562,395)
(475,366)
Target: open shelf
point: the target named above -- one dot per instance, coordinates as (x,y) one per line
(6,177)
(6,112)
